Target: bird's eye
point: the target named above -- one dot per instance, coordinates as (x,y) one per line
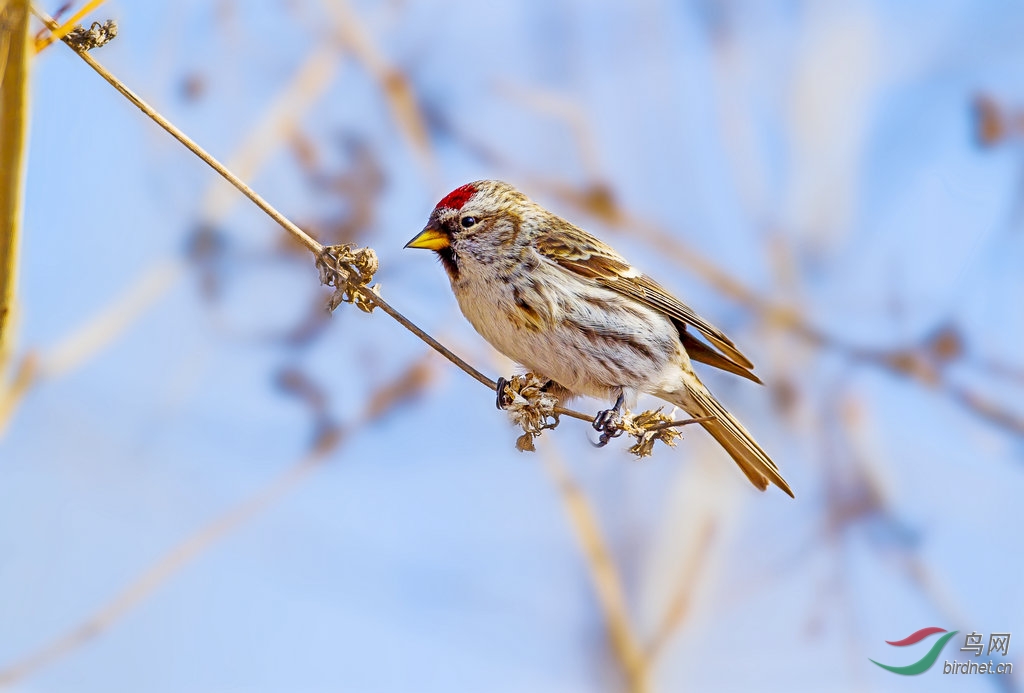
(468,221)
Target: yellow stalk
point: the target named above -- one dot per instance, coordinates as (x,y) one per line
(14,59)
(68,26)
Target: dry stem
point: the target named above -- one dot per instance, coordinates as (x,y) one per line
(347,270)
(350,271)
(57,33)
(14,67)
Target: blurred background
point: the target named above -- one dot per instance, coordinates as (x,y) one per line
(208,483)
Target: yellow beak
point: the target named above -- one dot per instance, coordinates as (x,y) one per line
(431,238)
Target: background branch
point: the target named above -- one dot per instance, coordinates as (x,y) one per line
(384,400)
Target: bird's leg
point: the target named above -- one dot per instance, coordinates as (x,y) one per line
(604,418)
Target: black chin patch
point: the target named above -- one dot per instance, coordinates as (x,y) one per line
(448,259)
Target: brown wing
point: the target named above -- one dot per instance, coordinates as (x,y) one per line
(579,252)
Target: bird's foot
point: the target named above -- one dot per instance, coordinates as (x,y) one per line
(606,422)
(503,400)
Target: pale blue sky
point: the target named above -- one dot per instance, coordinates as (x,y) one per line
(428,554)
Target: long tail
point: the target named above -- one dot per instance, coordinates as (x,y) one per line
(730,434)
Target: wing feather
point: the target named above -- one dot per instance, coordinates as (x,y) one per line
(577,251)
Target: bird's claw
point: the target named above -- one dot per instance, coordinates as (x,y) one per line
(606,435)
(606,422)
(604,419)
(503,400)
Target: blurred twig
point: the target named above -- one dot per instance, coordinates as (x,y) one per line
(106,326)
(602,571)
(857,493)
(322,254)
(299,235)
(387,397)
(99,332)
(91,338)
(597,199)
(679,606)
(916,364)
(995,124)
(636,661)
(58,33)
(275,128)
(569,111)
(169,565)
(392,81)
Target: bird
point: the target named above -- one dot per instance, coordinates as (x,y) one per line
(573,311)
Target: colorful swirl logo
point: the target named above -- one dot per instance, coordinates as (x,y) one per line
(922,665)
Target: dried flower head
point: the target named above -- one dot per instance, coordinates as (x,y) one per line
(530,407)
(648,427)
(82,39)
(349,271)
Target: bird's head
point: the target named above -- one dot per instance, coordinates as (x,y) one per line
(473,221)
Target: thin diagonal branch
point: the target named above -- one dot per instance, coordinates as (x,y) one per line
(100,331)
(67,27)
(305,239)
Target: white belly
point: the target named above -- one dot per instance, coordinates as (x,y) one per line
(591,347)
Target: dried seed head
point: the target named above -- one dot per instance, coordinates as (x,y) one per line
(349,271)
(82,39)
(648,427)
(531,408)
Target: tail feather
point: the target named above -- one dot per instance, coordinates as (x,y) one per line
(731,435)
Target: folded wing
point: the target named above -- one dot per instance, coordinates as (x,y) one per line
(577,251)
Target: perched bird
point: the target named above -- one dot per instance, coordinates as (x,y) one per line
(570,309)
